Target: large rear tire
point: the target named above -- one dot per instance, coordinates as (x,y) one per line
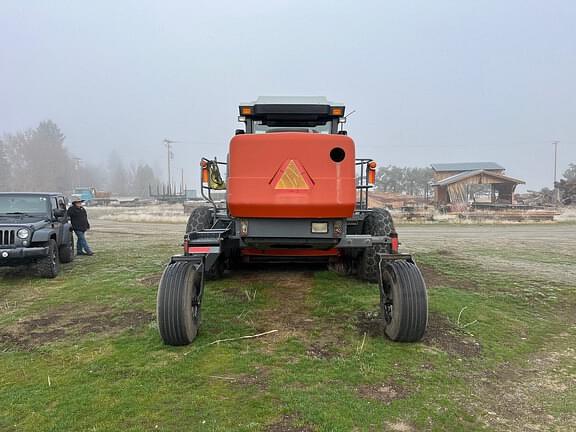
(403,301)
(200,219)
(178,303)
(377,223)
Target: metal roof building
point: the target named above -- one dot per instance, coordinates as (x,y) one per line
(461,185)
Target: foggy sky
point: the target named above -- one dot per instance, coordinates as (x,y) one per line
(432,81)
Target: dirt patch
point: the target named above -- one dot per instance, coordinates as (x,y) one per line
(434,279)
(67,322)
(287,424)
(287,294)
(151,280)
(259,378)
(387,392)
(370,323)
(442,334)
(518,399)
(399,427)
(321,351)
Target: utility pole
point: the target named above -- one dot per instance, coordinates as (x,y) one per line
(556,191)
(168,143)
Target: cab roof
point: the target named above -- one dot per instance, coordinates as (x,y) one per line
(292,100)
(287,105)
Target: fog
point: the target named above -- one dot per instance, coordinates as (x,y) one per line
(431,81)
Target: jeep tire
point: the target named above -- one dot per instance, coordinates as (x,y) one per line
(49,266)
(66,251)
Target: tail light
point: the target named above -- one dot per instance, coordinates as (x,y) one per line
(394,242)
(371,172)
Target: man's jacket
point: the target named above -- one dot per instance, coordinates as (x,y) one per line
(78,218)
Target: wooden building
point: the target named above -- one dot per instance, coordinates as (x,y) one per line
(461,185)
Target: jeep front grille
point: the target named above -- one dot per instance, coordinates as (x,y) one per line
(7,237)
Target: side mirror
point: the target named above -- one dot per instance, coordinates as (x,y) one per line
(343,132)
(239,132)
(58,213)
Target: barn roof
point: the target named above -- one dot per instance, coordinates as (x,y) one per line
(466,166)
(467,174)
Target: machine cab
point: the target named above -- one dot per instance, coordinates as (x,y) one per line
(312,114)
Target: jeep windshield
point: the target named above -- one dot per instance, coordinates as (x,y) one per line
(23,205)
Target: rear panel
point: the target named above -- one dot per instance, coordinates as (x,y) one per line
(291,175)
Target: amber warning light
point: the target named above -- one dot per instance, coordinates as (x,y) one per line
(371,172)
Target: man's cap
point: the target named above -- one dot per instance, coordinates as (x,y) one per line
(76,198)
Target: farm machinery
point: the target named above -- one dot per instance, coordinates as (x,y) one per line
(295,192)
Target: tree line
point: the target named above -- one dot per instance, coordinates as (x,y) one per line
(37,159)
(404,180)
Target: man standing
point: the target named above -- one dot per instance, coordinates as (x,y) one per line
(80,224)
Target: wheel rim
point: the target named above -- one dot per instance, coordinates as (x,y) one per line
(195,304)
(386,298)
(387,308)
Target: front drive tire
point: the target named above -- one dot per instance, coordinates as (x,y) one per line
(403,301)
(377,223)
(200,219)
(67,251)
(49,266)
(178,304)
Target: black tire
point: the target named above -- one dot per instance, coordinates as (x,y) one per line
(403,301)
(178,304)
(200,219)
(66,251)
(49,267)
(377,223)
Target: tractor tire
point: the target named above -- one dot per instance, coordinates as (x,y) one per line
(403,301)
(49,266)
(377,223)
(66,251)
(178,304)
(200,219)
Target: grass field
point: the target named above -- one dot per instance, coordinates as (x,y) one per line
(82,352)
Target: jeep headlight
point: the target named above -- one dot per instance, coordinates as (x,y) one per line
(23,233)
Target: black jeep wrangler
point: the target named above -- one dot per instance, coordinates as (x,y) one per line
(35,231)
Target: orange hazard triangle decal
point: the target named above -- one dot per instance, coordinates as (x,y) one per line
(291,175)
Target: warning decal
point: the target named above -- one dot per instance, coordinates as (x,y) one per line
(292,176)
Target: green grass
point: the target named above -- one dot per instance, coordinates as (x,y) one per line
(123,378)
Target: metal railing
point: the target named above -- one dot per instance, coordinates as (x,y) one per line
(362,185)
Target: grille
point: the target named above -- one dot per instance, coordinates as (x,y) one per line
(7,237)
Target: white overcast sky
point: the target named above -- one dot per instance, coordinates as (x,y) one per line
(431,81)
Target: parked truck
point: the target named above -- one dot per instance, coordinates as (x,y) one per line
(93,197)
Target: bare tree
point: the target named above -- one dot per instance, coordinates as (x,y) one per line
(5,169)
(412,181)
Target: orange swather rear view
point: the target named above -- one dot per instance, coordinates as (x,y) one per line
(291,175)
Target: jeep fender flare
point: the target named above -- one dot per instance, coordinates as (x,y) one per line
(66,233)
(43,235)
